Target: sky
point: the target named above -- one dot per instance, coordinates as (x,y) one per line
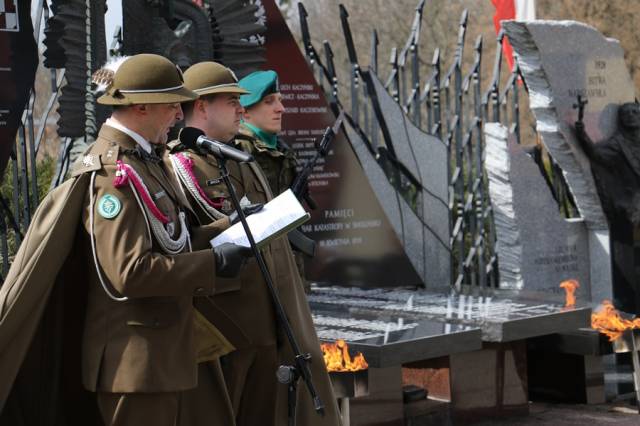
(112,19)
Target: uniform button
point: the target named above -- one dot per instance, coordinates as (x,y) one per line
(199,291)
(156,323)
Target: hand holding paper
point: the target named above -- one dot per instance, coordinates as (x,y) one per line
(277,217)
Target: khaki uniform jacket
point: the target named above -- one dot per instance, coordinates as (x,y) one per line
(145,344)
(43,304)
(249,181)
(243,303)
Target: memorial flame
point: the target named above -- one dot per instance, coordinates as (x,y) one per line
(337,358)
(570,287)
(608,321)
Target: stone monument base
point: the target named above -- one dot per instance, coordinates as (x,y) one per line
(487,382)
(383,406)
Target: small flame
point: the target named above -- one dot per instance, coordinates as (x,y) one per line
(570,287)
(608,321)
(337,358)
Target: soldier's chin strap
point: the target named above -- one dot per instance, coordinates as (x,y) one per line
(105,286)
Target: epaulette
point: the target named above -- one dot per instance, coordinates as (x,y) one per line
(95,157)
(244,134)
(87,163)
(244,142)
(250,143)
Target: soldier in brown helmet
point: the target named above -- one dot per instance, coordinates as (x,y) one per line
(134,266)
(250,370)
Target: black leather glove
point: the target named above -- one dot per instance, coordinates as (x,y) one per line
(229,259)
(247,210)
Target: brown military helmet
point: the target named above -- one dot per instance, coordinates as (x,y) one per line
(208,78)
(146,79)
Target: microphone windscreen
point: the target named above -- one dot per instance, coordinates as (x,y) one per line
(189,135)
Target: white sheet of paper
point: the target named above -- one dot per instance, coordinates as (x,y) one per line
(274,217)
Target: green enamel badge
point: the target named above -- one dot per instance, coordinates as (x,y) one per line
(109,206)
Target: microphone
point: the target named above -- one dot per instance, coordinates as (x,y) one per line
(194,138)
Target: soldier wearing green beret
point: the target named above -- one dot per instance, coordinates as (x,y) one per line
(250,370)
(261,124)
(258,136)
(136,263)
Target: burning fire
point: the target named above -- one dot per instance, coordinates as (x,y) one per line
(608,321)
(337,358)
(570,287)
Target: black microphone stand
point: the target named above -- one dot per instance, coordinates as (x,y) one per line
(286,374)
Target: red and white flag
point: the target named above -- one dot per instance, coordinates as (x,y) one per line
(520,10)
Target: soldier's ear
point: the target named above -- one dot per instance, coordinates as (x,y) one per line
(200,105)
(139,108)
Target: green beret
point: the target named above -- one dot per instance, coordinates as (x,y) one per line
(259,84)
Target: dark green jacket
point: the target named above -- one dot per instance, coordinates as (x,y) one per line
(279,164)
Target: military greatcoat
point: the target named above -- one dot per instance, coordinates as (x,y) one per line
(144,344)
(249,181)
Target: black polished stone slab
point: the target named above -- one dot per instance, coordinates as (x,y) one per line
(501,318)
(386,340)
(584,341)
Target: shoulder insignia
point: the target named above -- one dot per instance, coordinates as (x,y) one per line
(89,160)
(109,206)
(99,153)
(109,155)
(87,163)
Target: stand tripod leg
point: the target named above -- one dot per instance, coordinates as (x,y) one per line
(292,395)
(301,369)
